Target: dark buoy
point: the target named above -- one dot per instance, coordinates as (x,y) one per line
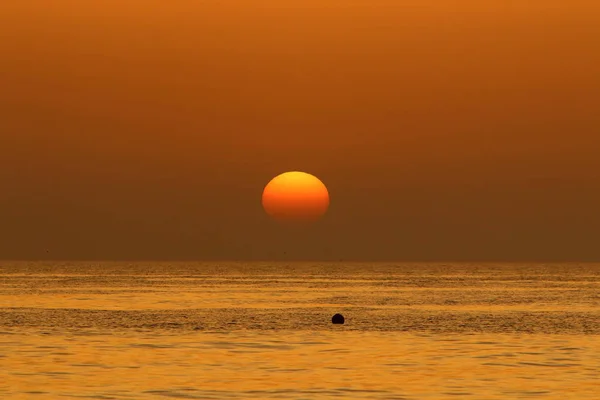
(337,319)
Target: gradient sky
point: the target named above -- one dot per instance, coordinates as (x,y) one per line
(147,129)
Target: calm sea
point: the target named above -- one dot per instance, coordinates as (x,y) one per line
(263,330)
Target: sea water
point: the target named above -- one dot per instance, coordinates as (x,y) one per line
(221,330)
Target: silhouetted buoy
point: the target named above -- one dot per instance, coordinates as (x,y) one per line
(337,319)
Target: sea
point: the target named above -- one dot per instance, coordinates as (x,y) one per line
(263,330)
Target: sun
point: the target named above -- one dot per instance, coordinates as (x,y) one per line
(295,197)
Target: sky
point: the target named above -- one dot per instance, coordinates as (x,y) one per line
(444,131)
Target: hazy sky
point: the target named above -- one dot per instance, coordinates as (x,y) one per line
(147,129)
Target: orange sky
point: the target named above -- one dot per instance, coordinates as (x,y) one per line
(147,129)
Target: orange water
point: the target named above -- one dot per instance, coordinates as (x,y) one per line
(234,330)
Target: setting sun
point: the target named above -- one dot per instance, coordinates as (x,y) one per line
(295,197)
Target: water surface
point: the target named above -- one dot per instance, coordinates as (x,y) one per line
(262,330)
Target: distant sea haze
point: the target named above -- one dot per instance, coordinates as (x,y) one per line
(263,330)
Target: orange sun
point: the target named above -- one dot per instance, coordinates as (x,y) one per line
(295,197)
